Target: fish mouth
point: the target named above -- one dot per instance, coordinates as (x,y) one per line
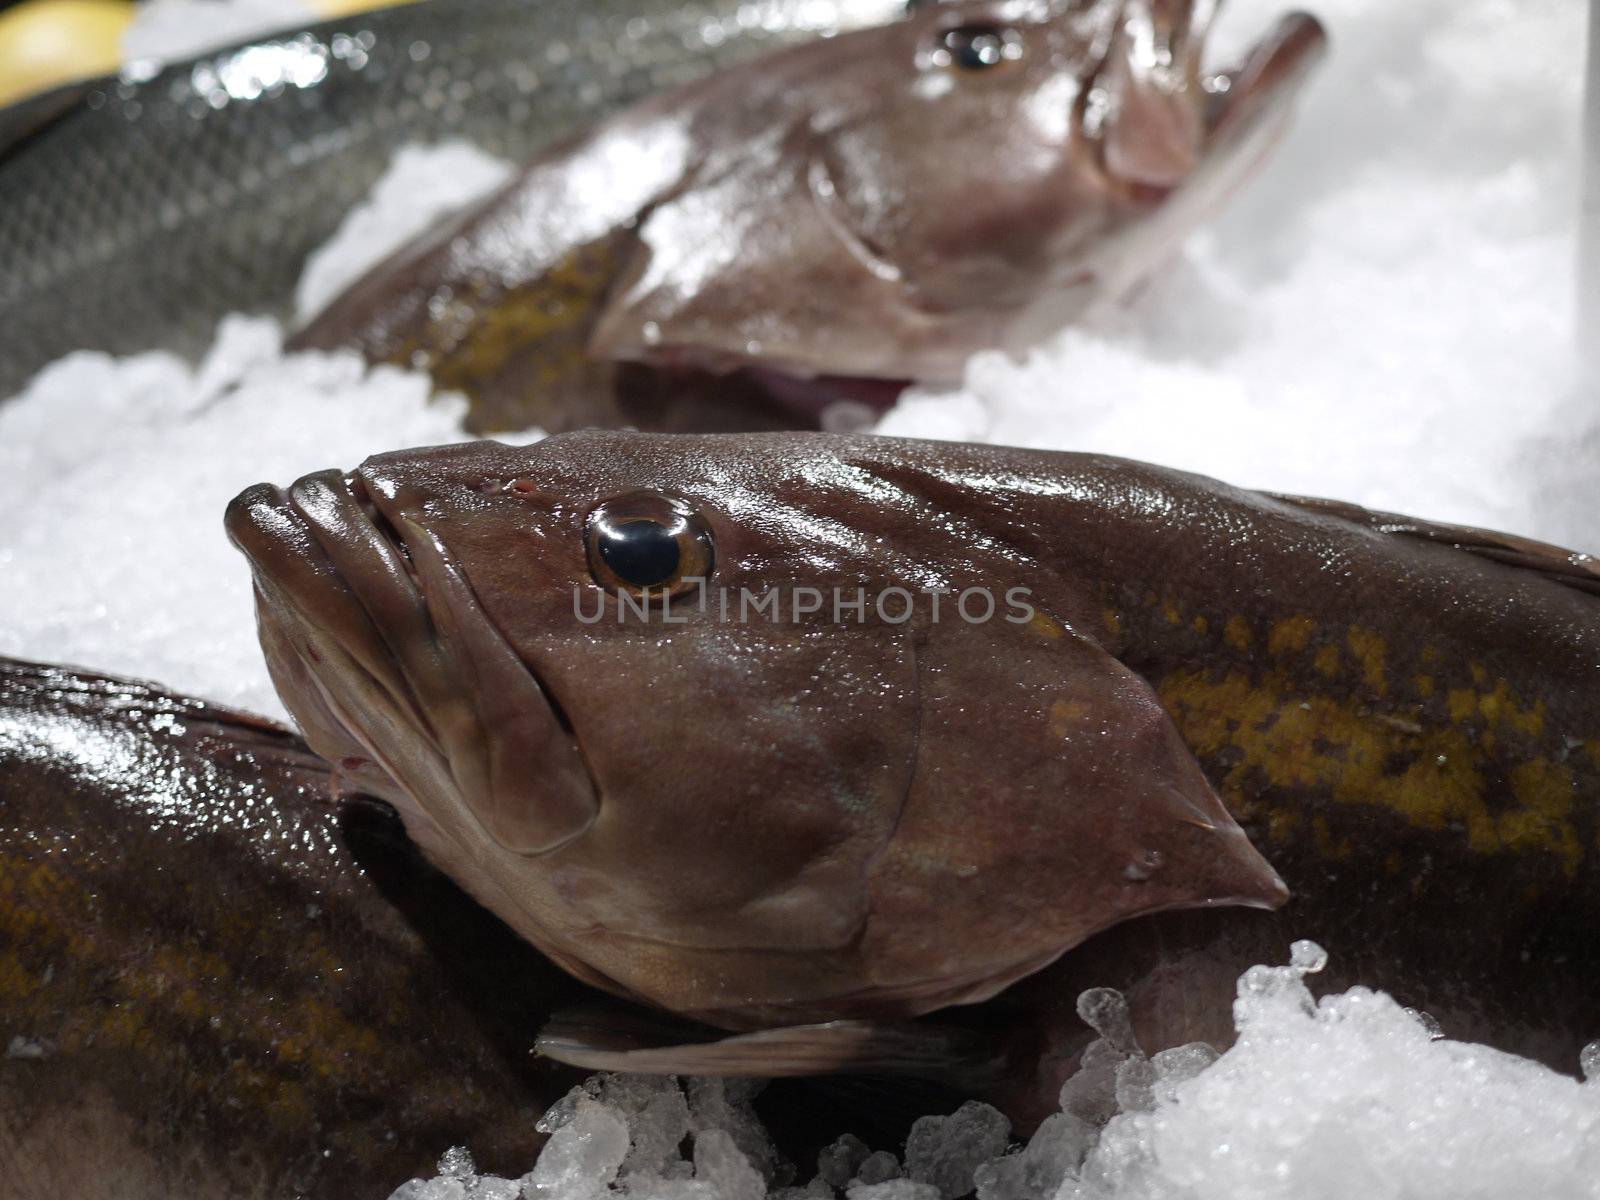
(377,643)
(1155,115)
(1277,67)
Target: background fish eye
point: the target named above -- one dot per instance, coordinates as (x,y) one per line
(976,47)
(648,542)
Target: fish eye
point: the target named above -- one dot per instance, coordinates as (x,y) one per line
(648,543)
(976,47)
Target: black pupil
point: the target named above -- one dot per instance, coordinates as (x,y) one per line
(643,553)
(975,47)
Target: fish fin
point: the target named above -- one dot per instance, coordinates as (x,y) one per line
(22,121)
(1567,567)
(610,1039)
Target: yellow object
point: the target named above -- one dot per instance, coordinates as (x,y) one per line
(47,42)
(327,10)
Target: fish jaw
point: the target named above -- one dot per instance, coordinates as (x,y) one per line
(371,638)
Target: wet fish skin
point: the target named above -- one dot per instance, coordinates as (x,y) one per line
(1405,717)
(831,220)
(826,900)
(147,210)
(217,983)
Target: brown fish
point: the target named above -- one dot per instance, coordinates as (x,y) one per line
(849,809)
(217,984)
(833,220)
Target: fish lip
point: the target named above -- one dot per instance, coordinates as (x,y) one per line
(376,606)
(1233,102)
(303,590)
(1278,64)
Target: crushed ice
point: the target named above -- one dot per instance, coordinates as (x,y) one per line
(1350,1097)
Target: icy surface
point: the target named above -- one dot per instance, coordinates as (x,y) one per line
(422,185)
(1350,1097)
(114,477)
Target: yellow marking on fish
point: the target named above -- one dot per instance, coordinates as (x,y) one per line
(1169,610)
(1045,625)
(1293,741)
(1112,621)
(1496,707)
(1290,634)
(1327,661)
(1065,715)
(1199,625)
(1545,792)
(1424,685)
(1370,650)
(474,333)
(1237,633)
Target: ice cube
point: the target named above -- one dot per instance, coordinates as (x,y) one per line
(878,1167)
(719,1162)
(582,1156)
(839,1161)
(944,1151)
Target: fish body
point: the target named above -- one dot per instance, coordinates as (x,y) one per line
(217,983)
(833,219)
(137,211)
(770,822)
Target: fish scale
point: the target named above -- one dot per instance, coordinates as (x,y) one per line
(155,206)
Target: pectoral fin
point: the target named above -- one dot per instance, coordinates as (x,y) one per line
(610,1039)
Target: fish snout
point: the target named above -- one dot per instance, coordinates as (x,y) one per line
(1270,76)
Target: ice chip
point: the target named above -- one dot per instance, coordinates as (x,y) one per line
(1035,1172)
(893,1189)
(657,1114)
(945,1151)
(1589,1062)
(725,1104)
(431,1189)
(838,1162)
(1307,957)
(1427,1021)
(1135,1085)
(1179,1065)
(878,1167)
(1106,1012)
(1090,1093)
(493,1187)
(718,1161)
(456,1163)
(582,1157)
(818,1189)
(563,1110)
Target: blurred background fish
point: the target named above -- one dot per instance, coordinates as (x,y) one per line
(136,210)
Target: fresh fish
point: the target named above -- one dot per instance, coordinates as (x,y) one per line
(832,220)
(215,983)
(135,212)
(850,806)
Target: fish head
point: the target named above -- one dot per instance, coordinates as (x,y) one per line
(975,176)
(608,682)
